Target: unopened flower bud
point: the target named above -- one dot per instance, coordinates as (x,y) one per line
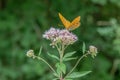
(30,53)
(93,51)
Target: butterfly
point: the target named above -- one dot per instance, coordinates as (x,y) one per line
(70,25)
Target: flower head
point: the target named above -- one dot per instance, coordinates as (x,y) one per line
(60,36)
(51,34)
(93,51)
(67,37)
(30,53)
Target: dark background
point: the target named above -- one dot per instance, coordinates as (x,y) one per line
(22,23)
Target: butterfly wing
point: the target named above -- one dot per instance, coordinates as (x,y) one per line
(65,22)
(75,23)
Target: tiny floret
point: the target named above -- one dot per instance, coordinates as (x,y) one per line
(30,53)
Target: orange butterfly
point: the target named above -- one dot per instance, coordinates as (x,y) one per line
(70,25)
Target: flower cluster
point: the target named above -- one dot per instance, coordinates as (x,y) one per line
(60,36)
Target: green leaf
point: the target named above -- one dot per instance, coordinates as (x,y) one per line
(68,59)
(53,56)
(69,54)
(61,67)
(78,74)
(58,68)
(55,74)
(40,51)
(83,48)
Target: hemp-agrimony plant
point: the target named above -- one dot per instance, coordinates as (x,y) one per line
(60,40)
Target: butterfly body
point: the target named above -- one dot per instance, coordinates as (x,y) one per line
(70,25)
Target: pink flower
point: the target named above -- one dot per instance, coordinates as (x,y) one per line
(51,34)
(60,36)
(67,37)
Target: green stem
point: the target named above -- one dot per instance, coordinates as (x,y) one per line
(61,57)
(39,58)
(76,64)
(60,48)
(65,47)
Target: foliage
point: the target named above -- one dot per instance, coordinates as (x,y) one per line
(60,40)
(22,23)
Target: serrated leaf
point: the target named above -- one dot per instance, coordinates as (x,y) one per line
(83,48)
(68,59)
(78,74)
(61,67)
(40,51)
(53,56)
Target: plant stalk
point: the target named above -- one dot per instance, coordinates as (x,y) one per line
(61,52)
(76,64)
(39,58)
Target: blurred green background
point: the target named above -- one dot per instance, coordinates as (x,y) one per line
(22,23)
